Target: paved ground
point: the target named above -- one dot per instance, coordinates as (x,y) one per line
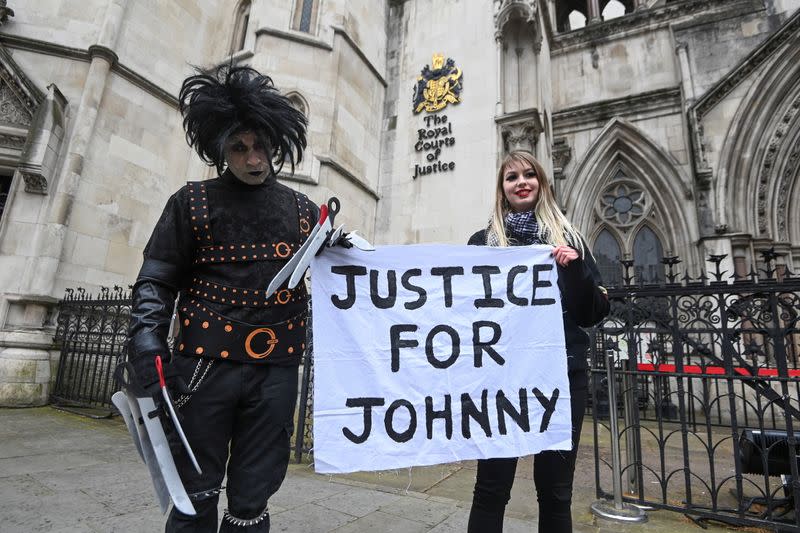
(61,472)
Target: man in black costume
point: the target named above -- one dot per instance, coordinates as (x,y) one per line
(216,247)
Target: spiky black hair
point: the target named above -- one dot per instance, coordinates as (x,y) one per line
(232,99)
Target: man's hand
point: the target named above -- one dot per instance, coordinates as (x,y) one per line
(564,255)
(147,377)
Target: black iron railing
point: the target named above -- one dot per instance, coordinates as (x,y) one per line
(91,333)
(708,378)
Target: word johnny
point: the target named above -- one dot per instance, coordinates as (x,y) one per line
(431,354)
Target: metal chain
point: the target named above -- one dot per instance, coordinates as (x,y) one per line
(180,402)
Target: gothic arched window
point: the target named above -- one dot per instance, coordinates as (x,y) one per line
(607,254)
(305,15)
(614,9)
(647,255)
(570,14)
(241,21)
(576,20)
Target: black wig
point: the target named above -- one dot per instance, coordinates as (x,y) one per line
(233,99)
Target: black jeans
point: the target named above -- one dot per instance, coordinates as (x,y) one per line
(241,418)
(552,474)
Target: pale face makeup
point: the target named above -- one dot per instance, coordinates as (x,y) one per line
(248,157)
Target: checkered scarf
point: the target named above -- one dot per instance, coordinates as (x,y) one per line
(523,229)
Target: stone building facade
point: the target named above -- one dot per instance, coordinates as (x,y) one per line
(671,127)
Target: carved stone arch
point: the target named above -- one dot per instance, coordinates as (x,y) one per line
(32,125)
(780,174)
(523,11)
(620,145)
(763,125)
(793,221)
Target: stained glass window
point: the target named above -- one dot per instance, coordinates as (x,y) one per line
(607,255)
(647,255)
(305,15)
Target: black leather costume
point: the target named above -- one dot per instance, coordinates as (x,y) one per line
(219,243)
(217,246)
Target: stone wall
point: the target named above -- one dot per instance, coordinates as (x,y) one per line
(446,206)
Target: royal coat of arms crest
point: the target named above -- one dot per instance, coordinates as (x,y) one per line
(439,84)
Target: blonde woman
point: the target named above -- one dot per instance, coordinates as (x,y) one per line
(525,212)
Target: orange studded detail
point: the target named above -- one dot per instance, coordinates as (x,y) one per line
(282,250)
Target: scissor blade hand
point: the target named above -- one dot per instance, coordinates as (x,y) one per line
(174,416)
(336,236)
(359,242)
(315,244)
(289,267)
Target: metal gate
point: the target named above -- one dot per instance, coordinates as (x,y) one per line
(707,377)
(92,334)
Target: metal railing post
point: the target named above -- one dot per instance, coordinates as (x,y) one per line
(618,509)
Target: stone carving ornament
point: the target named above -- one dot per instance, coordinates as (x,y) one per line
(527,10)
(775,142)
(34,183)
(623,203)
(11,112)
(5,12)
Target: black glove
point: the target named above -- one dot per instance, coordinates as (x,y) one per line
(147,379)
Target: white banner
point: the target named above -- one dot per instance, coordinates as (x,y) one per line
(429,354)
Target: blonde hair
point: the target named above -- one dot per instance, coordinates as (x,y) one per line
(554,228)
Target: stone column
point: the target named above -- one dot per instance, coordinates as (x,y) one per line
(593,9)
(682,50)
(500,84)
(42,274)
